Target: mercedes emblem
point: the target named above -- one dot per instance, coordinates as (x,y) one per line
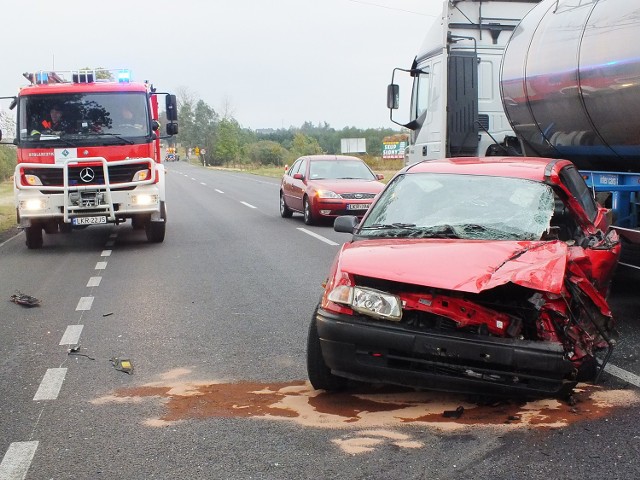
(87,175)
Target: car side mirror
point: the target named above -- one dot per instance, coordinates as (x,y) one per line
(298,176)
(345,223)
(379,176)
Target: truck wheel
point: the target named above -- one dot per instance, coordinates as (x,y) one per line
(285,212)
(34,236)
(308,215)
(65,227)
(319,374)
(155,230)
(139,221)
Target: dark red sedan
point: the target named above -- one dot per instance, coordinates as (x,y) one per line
(327,186)
(471,275)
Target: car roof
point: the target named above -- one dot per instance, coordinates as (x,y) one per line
(531,168)
(331,157)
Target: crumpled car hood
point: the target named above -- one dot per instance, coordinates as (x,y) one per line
(465,265)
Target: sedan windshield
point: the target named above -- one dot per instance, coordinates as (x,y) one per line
(425,205)
(340,169)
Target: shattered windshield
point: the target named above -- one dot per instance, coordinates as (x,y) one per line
(75,117)
(427,205)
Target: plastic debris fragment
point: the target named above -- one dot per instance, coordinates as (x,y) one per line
(24,299)
(457,413)
(122,365)
(75,350)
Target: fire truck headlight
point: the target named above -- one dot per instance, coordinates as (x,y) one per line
(141,175)
(33,204)
(144,199)
(33,180)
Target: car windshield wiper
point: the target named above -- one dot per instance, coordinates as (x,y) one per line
(388,226)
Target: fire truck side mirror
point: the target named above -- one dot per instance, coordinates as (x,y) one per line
(155,125)
(172,128)
(0,135)
(172,108)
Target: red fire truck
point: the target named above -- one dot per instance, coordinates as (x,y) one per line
(89,153)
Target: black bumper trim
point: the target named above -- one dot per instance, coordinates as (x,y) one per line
(378,351)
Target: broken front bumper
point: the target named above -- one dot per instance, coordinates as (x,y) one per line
(383,352)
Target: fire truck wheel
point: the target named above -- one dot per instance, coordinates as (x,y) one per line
(155,230)
(138,222)
(34,236)
(65,227)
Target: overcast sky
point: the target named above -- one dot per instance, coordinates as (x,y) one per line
(277,63)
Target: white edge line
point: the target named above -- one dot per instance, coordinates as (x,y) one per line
(319,237)
(622,374)
(17,460)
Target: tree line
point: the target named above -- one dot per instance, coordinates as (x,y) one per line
(228,143)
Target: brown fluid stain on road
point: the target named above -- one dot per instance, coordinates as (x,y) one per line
(360,409)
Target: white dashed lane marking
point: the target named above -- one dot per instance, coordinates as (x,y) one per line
(17,460)
(71,335)
(319,237)
(101,265)
(248,205)
(106,253)
(202,183)
(219,191)
(51,384)
(94,281)
(84,303)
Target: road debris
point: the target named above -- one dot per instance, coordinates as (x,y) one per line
(75,350)
(107,314)
(24,299)
(457,413)
(122,365)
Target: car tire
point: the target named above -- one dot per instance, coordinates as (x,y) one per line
(308,214)
(285,212)
(319,374)
(34,236)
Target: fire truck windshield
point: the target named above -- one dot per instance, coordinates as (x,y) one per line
(83,118)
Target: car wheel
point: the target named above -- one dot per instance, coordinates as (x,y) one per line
(308,215)
(34,236)
(285,212)
(319,374)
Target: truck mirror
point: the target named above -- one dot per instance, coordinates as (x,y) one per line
(155,125)
(0,135)
(393,96)
(172,128)
(172,108)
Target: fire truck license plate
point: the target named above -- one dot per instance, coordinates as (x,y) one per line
(358,206)
(89,220)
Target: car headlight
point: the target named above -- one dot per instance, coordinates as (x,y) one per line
(327,194)
(368,301)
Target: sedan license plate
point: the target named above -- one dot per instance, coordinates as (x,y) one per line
(89,220)
(357,206)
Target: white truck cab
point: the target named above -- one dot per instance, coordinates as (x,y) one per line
(455,108)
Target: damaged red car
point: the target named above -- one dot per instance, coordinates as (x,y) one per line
(475,275)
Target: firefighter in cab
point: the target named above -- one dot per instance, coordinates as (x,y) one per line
(54,123)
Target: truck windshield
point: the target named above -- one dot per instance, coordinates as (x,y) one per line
(80,117)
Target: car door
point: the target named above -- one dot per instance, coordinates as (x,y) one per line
(298,185)
(287,183)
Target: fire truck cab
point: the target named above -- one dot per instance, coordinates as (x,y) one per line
(88,148)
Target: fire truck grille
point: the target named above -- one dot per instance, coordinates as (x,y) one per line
(83,175)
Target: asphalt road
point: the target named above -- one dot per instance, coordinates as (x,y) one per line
(213,322)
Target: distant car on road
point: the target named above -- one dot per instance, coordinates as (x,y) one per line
(482,276)
(327,186)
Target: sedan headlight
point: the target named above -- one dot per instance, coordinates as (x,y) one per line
(368,301)
(327,194)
